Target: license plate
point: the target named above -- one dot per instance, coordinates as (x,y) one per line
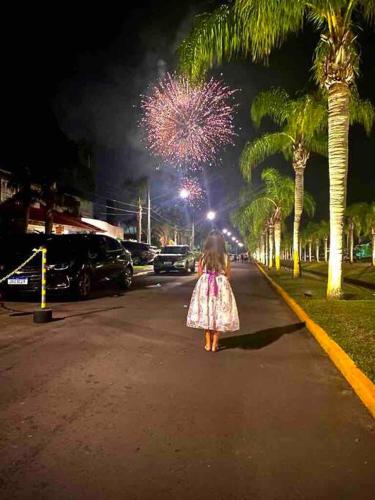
(18,281)
(168,263)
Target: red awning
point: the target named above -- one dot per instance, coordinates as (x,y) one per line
(64,219)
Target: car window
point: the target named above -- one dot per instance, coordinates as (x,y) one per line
(112,245)
(97,246)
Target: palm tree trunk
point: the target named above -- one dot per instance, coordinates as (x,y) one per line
(351,242)
(277,244)
(298,207)
(310,251)
(338,132)
(326,249)
(317,250)
(270,247)
(304,253)
(373,245)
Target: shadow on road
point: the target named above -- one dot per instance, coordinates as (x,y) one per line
(260,339)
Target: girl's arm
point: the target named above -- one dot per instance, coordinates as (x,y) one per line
(200,267)
(228,271)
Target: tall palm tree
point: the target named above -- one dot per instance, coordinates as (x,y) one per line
(254,28)
(302,122)
(271,206)
(356,214)
(370,228)
(324,235)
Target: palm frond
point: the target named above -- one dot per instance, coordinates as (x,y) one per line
(258,150)
(319,144)
(362,112)
(213,38)
(309,204)
(368,9)
(267,24)
(308,117)
(274,103)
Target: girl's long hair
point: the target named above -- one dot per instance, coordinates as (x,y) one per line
(214,253)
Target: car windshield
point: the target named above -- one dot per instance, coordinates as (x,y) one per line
(174,250)
(65,247)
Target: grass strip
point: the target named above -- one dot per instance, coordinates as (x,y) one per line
(350,322)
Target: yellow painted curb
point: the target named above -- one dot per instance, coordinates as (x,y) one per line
(362,385)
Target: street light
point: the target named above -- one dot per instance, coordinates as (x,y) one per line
(240,245)
(229,233)
(211,215)
(225,231)
(233,238)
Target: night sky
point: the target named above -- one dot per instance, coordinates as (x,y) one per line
(83,69)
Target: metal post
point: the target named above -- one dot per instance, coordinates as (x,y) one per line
(44,264)
(43,315)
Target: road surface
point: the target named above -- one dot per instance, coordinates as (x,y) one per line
(117,399)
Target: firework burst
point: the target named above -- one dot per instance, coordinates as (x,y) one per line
(187,125)
(191,191)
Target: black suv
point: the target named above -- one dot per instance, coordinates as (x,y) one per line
(141,253)
(175,258)
(76,263)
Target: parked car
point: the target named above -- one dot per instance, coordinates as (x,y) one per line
(141,253)
(76,263)
(175,258)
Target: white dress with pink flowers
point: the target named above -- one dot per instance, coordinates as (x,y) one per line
(212,305)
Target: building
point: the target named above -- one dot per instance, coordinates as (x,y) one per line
(71,214)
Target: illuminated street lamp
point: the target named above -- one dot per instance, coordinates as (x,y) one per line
(225,231)
(233,238)
(240,245)
(211,215)
(229,233)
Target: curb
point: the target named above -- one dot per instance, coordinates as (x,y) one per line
(361,384)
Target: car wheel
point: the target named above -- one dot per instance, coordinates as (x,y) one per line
(157,271)
(126,279)
(192,269)
(83,289)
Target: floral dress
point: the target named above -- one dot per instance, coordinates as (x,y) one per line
(212,305)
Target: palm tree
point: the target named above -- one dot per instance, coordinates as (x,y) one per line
(357,224)
(270,207)
(254,28)
(370,228)
(324,235)
(302,122)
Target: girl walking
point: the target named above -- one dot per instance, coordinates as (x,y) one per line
(213,306)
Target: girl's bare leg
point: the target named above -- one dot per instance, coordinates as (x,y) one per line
(208,338)
(215,341)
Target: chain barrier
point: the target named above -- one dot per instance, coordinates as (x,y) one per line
(35,252)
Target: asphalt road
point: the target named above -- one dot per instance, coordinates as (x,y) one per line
(117,399)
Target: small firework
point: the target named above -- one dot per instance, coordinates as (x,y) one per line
(187,125)
(191,191)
